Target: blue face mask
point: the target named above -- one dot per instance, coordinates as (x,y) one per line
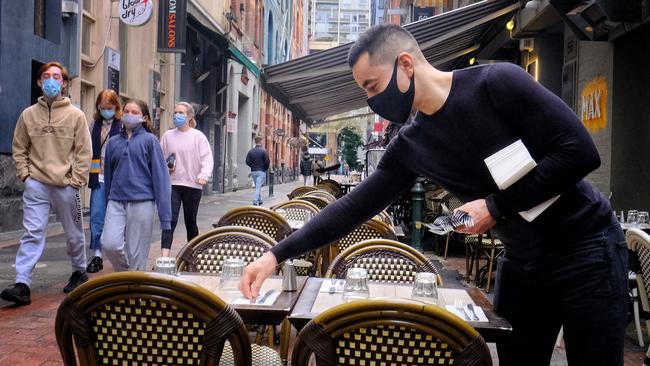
(180,120)
(51,88)
(131,121)
(107,113)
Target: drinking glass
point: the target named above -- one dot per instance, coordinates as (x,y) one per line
(166,265)
(231,272)
(425,287)
(308,216)
(643,219)
(632,216)
(356,285)
(282,212)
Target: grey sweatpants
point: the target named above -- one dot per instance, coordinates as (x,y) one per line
(38,199)
(126,238)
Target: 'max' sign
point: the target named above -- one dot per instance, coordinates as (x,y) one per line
(594,104)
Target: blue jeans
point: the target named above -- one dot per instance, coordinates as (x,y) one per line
(579,285)
(258,177)
(97,215)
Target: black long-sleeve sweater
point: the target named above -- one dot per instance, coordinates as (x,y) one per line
(488,108)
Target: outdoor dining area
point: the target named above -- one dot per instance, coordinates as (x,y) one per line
(367,299)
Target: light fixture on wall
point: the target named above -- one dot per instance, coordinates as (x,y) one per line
(510,25)
(472,60)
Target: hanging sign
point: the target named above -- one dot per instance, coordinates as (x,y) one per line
(135,12)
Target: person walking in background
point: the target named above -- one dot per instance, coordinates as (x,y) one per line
(106,123)
(258,160)
(316,164)
(305,165)
(51,150)
(189,159)
(136,178)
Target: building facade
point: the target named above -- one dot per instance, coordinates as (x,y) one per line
(608,95)
(336,22)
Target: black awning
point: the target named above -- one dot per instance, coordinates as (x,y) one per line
(321,84)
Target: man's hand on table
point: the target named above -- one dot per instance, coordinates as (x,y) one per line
(478,210)
(255,274)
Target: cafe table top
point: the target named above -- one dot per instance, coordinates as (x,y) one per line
(306,307)
(252,313)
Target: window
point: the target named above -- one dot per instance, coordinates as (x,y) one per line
(86,29)
(87,99)
(39,18)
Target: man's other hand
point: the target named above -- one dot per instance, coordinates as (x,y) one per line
(478,210)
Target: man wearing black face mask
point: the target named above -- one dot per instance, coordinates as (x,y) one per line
(567,267)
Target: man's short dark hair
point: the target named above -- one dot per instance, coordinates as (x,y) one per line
(258,140)
(383,42)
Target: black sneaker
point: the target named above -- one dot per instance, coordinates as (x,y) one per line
(17,293)
(96,264)
(76,279)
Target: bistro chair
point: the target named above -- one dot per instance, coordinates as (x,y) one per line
(316,201)
(638,242)
(371,229)
(207,252)
(131,318)
(257,217)
(297,209)
(383,332)
(385,260)
(320,193)
(332,186)
(385,217)
(482,246)
(451,203)
(301,210)
(300,191)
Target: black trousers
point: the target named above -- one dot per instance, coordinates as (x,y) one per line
(581,286)
(190,198)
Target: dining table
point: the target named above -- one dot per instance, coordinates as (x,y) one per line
(317,297)
(273,311)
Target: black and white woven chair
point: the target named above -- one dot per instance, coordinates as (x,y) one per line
(385,260)
(638,242)
(207,252)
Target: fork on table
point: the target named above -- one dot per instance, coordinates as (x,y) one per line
(458,304)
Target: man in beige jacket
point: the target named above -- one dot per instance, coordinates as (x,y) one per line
(52,152)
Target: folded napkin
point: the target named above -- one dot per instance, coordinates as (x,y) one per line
(477,309)
(449,221)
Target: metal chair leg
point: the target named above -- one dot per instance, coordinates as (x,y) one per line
(446,246)
(489,274)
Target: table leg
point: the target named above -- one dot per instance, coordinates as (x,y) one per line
(285,338)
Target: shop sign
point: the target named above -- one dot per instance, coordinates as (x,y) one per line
(136,12)
(593,101)
(171,25)
(231,123)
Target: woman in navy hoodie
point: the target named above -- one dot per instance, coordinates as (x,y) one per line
(136,179)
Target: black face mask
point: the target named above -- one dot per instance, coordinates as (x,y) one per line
(392,104)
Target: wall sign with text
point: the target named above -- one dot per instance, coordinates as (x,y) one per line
(593,104)
(171,25)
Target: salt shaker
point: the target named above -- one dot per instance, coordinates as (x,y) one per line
(289,277)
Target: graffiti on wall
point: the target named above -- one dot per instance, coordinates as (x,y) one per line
(593,101)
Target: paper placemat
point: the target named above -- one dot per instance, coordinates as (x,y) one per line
(241,300)
(477,309)
(325,300)
(211,283)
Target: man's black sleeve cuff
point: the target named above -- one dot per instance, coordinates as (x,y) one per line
(494,209)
